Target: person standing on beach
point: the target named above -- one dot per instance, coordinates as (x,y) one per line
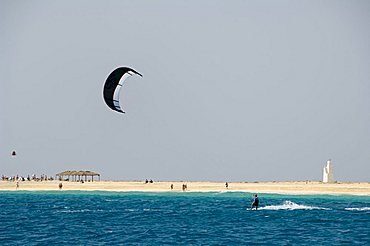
(227,185)
(60,186)
(17,185)
(255,202)
(171,186)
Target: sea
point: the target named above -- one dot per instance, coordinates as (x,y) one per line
(181,218)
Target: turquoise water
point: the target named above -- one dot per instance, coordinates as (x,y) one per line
(134,218)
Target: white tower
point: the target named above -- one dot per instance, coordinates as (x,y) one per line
(328,173)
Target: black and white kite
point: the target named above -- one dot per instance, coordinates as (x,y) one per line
(113,86)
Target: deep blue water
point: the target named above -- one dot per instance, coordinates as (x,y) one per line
(126,218)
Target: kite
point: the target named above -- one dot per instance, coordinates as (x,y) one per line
(113,86)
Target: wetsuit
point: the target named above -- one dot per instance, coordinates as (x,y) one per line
(255,202)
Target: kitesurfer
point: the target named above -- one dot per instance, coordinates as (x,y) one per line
(255,202)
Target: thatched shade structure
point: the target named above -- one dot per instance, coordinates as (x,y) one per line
(77,175)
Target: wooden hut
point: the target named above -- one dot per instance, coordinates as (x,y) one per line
(77,175)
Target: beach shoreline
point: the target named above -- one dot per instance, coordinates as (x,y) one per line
(294,187)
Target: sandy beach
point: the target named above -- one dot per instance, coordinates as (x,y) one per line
(255,187)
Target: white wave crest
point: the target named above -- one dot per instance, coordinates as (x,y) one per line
(358,209)
(289,205)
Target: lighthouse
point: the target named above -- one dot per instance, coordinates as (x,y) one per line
(328,172)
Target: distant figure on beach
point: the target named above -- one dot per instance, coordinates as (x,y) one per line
(226,185)
(60,186)
(171,186)
(151,181)
(255,202)
(17,186)
(146,181)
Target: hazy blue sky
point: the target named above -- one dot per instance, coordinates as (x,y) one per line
(232,90)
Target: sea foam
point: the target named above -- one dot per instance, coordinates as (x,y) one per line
(289,205)
(358,209)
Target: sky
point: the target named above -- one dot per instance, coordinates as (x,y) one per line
(232,90)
